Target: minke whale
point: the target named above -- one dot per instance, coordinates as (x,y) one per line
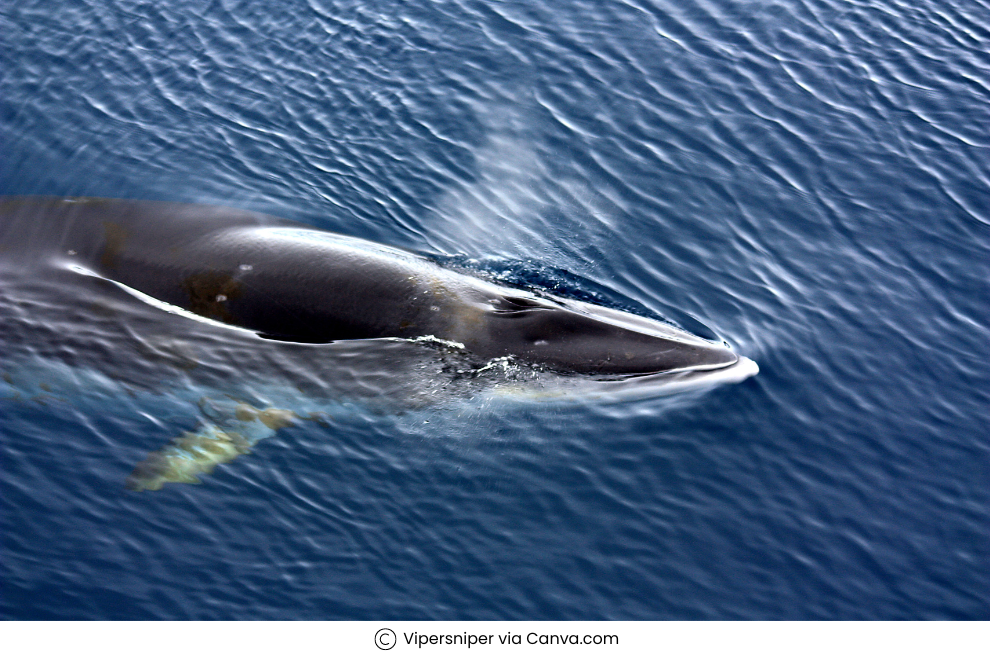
(251,273)
(291,282)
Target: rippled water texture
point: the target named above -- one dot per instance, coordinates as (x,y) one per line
(809,180)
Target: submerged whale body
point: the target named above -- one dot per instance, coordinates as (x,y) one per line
(75,275)
(288,281)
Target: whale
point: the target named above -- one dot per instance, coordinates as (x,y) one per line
(291,282)
(253,324)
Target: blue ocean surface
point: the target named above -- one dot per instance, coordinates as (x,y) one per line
(807,180)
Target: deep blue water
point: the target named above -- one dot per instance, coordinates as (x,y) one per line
(810,180)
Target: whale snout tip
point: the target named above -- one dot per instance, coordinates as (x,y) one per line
(716,356)
(697,355)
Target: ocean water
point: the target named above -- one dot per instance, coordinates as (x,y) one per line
(808,180)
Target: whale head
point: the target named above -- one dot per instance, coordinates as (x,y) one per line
(578,337)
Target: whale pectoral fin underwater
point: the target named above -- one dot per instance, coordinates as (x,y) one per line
(229,433)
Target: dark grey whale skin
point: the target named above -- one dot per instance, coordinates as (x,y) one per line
(288,281)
